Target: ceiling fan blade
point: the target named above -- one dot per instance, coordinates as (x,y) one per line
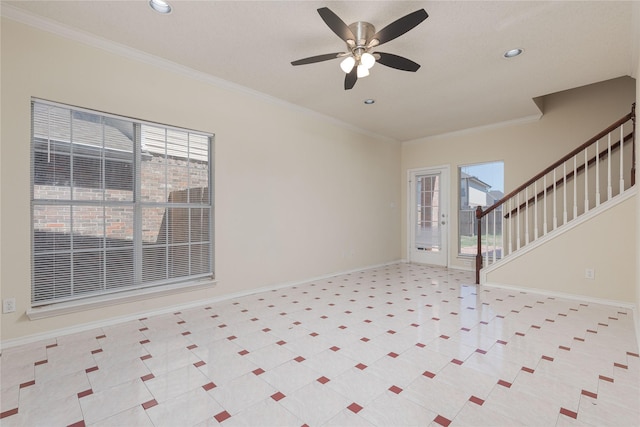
(398,27)
(395,61)
(336,24)
(317,58)
(351,78)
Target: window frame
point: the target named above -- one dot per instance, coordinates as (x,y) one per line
(137,288)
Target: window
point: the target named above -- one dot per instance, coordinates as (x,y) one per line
(117,204)
(480,185)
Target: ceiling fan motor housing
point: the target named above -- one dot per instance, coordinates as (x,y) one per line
(363,31)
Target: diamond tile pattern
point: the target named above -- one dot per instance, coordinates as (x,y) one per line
(403,344)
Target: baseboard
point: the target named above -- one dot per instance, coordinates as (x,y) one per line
(576,297)
(462,268)
(29,339)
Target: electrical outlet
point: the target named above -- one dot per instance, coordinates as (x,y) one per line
(590,274)
(8,305)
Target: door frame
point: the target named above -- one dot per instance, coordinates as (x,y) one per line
(445,173)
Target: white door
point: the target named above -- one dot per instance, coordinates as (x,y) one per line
(428,215)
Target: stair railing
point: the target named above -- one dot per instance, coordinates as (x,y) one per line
(593,173)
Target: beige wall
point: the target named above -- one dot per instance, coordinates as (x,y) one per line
(559,264)
(570,118)
(296,196)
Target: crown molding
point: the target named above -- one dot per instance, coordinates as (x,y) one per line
(469,131)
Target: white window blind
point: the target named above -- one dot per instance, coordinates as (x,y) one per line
(117,204)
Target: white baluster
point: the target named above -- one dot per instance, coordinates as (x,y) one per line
(486,237)
(586,181)
(621,159)
(510,227)
(518,221)
(535,210)
(597,174)
(526,216)
(495,247)
(544,205)
(609,189)
(575,187)
(503,231)
(564,193)
(555,201)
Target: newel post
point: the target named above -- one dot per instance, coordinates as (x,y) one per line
(479,253)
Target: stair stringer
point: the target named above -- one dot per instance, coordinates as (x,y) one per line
(485,273)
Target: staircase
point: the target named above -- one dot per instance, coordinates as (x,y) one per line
(593,174)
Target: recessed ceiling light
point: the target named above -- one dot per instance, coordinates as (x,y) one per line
(160,6)
(369,101)
(513,53)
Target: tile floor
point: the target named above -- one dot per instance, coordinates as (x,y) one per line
(400,345)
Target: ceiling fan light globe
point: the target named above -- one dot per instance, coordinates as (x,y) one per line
(160,6)
(368,60)
(363,71)
(347,64)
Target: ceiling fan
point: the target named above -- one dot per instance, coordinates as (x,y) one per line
(361,38)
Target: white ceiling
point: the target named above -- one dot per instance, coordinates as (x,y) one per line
(464,81)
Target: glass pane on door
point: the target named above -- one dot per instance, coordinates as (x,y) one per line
(428,232)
